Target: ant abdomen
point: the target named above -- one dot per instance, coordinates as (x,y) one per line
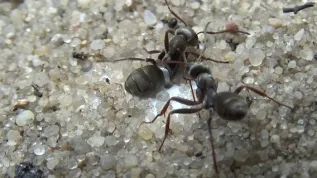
(145,81)
(230,106)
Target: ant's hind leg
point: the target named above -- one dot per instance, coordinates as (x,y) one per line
(261,93)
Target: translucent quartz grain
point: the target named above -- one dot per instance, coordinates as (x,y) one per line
(97,44)
(250,42)
(130,161)
(13,137)
(24,118)
(256,57)
(149,18)
(96,141)
(292,64)
(299,35)
(39,149)
(145,133)
(107,161)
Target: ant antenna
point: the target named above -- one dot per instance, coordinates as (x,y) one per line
(205,41)
(175,15)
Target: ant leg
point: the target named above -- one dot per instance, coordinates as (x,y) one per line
(135,59)
(177,99)
(261,93)
(151,51)
(225,31)
(207,59)
(211,139)
(231,27)
(178,111)
(160,56)
(175,14)
(187,79)
(166,41)
(191,89)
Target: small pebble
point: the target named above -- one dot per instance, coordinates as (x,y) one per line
(136,172)
(51,163)
(130,161)
(153,176)
(39,149)
(250,42)
(145,133)
(109,52)
(86,65)
(149,18)
(24,118)
(57,39)
(97,44)
(278,70)
(96,141)
(41,79)
(261,114)
(176,2)
(50,131)
(248,80)
(13,137)
(292,64)
(241,155)
(313,164)
(222,86)
(307,54)
(275,139)
(111,140)
(107,161)
(299,35)
(195,5)
(23,103)
(83,3)
(274,22)
(298,95)
(256,57)
(84,43)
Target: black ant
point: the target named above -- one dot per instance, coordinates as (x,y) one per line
(228,105)
(148,80)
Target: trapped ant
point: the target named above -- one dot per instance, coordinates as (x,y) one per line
(148,80)
(228,105)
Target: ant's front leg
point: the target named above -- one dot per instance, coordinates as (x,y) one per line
(177,99)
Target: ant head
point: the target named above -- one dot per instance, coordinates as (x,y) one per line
(189,34)
(195,69)
(206,82)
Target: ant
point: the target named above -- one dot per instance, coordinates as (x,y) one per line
(228,105)
(148,80)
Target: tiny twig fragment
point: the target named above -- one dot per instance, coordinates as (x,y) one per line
(299,8)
